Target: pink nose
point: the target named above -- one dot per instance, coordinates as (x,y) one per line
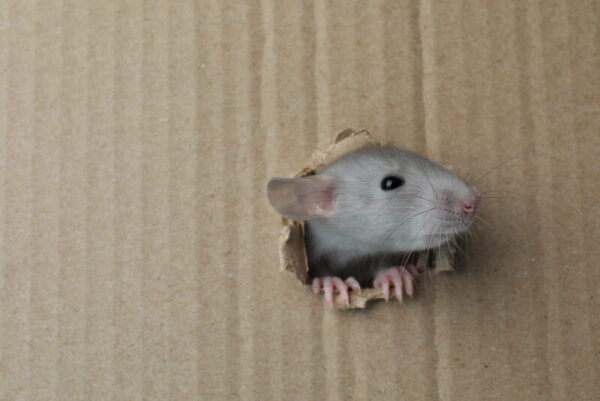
(469,206)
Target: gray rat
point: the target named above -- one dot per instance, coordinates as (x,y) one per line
(365,214)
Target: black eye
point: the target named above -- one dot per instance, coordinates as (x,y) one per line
(391,182)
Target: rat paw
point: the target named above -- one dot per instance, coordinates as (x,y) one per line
(398,277)
(329,284)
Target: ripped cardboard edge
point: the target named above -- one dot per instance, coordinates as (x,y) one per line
(292,251)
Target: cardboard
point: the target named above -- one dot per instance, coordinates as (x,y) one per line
(139,258)
(292,249)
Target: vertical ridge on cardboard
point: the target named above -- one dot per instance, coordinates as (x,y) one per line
(128,214)
(548,84)
(183,266)
(551,128)
(308,71)
(260,383)
(100,240)
(230,118)
(44,241)
(540,122)
(571,339)
(505,169)
(212,380)
(343,83)
(239,117)
(556,77)
(322,77)
(155,202)
(429,82)
(4,176)
(535,283)
(261,318)
(15,299)
(271,351)
(585,64)
(403,77)
(369,41)
(72,198)
(330,330)
(295,112)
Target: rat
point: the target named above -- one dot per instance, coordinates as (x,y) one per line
(368,211)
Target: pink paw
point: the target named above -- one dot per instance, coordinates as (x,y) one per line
(329,284)
(398,277)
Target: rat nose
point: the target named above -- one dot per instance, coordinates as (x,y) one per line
(469,206)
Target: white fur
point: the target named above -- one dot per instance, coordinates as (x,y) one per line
(419,215)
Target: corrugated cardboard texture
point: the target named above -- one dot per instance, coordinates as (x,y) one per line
(139,254)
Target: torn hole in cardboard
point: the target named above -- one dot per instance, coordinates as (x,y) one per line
(292,251)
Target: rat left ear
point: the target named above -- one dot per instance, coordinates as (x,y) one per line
(305,198)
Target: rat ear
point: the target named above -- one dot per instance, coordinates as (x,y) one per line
(304,198)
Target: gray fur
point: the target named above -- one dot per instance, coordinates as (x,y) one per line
(366,220)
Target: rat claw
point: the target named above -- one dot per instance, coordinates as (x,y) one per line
(352,283)
(413,270)
(331,284)
(328,289)
(382,283)
(400,277)
(316,285)
(385,288)
(342,289)
(396,278)
(408,282)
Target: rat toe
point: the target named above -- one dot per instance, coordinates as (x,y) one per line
(316,285)
(407,278)
(342,289)
(328,290)
(352,283)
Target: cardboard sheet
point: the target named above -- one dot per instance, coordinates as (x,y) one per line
(139,256)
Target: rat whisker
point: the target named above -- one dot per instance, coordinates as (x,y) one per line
(487,152)
(491,227)
(413,249)
(487,198)
(406,221)
(428,180)
(497,167)
(462,251)
(468,237)
(425,199)
(439,250)
(409,254)
(484,194)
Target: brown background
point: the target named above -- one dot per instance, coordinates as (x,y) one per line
(139,256)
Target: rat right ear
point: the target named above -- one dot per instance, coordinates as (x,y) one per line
(305,198)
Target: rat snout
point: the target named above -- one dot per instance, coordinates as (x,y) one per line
(469,205)
(458,207)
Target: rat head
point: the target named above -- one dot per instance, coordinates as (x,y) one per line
(384,198)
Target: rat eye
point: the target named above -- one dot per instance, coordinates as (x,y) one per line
(391,182)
